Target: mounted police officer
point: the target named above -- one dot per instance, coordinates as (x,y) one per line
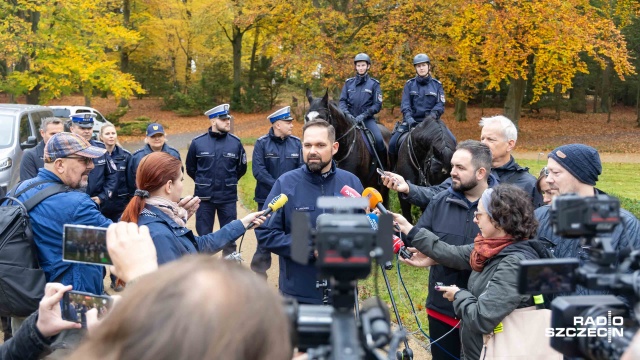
(422,98)
(155,141)
(102,179)
(273,155)
(216,161)
(361,98)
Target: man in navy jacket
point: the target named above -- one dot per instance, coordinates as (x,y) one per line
(318,177)
(273,155)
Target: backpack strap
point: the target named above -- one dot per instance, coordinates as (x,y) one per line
(43,194)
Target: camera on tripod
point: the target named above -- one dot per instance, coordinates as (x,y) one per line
(342,247)
(593,326)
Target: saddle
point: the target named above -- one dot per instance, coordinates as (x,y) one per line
(368,138)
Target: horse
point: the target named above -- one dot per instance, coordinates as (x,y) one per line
(424,157)
(353,154)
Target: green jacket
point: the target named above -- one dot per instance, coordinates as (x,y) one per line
(491,294)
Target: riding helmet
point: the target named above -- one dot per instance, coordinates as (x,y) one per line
(362,57)
(421,58)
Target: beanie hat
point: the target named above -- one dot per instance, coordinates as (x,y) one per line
(582,161)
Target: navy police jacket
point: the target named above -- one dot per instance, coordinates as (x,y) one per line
(137,156)
(173,241)
(422,97)
(272,157)
(120,197)
(361,95)
(215,162)
(303,188)
(102,179)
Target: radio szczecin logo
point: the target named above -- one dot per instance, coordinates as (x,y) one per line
(591,326)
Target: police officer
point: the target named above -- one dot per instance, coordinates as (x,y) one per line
(102,180)
(216,161)
(361,98)
(422,98)
(273,155)
(155,141)
(120,156)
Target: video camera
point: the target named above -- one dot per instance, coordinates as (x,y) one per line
(342,246)
(593,326)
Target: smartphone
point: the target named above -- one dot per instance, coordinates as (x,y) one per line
(439,284)
(380,172)
(85,244)
(547,276)
(75,305)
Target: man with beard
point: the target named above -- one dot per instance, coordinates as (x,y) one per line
(450,215)
(216,160)
(318,177)
(68,160)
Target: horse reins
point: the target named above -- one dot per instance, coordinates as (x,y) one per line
(414,160)
(353,142)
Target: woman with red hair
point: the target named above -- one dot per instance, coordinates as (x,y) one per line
(155,204)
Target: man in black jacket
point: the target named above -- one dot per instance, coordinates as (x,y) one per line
(500,135)
(33,159)
(450,216)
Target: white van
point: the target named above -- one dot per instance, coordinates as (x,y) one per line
(19,130)
(64,111)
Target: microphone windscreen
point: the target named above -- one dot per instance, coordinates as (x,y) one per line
(348,191)
(278,202)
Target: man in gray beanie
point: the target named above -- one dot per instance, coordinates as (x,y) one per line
(574,168)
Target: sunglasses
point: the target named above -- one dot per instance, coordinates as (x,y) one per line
(82,159)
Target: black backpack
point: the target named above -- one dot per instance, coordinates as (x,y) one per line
(22,281)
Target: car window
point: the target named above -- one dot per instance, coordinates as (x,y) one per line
(61,113)
(99,117)
(82,111)
(36,117)
(25,128)
(6,130)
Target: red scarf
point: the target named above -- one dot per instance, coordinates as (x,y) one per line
(486,248)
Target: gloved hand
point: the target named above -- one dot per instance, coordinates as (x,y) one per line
(360,118)
(350,117)
(410,121)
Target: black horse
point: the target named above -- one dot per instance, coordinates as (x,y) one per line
(353,154)
(424,157)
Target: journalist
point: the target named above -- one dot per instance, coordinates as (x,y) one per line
(544,189)
(575,168)
(156,204)
(194,308)
(507,225)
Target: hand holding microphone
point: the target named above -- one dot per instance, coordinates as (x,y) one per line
(257,218)
(400,249)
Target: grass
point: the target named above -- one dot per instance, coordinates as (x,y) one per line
(618,179)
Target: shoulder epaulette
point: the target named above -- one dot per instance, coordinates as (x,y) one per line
(199,136)
(99,144)
(376,80)
(172,148)
(410,80)
(262,137)
(351,78)
(137,151)
(295,137)
(125,150)
(237,138)
(436,80)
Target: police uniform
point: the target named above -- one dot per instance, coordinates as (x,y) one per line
(137,156)
(216,161)
(102,180)
(361,95)
(272,157)
(422,97)
(120,198)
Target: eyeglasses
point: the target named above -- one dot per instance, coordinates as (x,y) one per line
(82,159)
(476,213)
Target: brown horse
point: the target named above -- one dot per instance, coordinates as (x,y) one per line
(353,153)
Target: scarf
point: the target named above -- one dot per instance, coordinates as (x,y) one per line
(486,248)
(175,212)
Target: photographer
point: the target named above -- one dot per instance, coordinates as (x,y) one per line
(506,222)
(574,168)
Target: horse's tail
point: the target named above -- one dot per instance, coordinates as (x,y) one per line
(442,141)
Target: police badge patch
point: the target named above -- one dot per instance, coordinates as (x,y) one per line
(244,158)
(442,98)
(379,97)
(113,165)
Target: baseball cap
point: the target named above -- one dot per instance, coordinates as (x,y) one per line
(64,144)
(154,128)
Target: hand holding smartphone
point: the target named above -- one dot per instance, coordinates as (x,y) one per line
(85,244)
(75,305)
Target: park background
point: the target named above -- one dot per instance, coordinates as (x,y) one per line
(564,70)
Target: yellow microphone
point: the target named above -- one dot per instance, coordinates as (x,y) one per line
(275,204)
(375,199)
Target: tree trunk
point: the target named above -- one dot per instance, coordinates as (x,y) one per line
(460,111)
(558,99)
(513,103)
(579,95)
(124,52)
(606,88)
(254,50)
(33,96)
(597,90)
(236,43)
(638,102)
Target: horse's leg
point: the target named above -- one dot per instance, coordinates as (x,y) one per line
(406,209)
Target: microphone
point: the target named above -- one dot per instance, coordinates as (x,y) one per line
(375,199)
(275,204)
(400,249)
(348,191)
(373,221)
(375,322)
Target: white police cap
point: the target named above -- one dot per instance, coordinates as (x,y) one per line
(220,111)
(282,114)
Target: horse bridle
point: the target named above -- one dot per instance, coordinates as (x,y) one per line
(353,142)
(415,162)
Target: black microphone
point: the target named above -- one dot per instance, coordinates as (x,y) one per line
(375,322)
